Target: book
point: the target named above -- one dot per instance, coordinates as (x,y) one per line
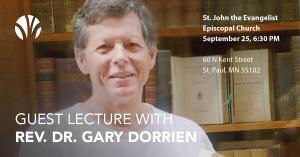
(289,10)
(173,13)
(226,153)
(157,7)
(196,94)
(163,80)
(249,144)
(71,85)
(220,8)
(285,149)
(254,8)
(237,8)
(274,151)
(253,96)
(45,76)
(43,10)
(297,89)
(263,152)
(242,153)
(209,10)
(247,153)
(64,11)
(299,9)
(270,7)
(150,88)
(284,90)
(296,57)
(295,48)
(229,88)
(191,12)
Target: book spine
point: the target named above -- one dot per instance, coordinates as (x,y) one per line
(242,153)
(151,88)
(221,9)
(299,10)
(208,9)
(191,10)
(230,89)
(177,85)
(262,152)
(289,10)
(225,96)
(44,12)
(254,8)
(163,80)
(173,13)
(271,8)
(45,74)
(284,91)
(156,8)
(64,11)
(295,48)
(237,8)
(72,85)
(196,94)
(252,92)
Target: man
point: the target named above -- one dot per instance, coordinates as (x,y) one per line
(115,44)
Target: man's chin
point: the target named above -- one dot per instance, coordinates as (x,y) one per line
(124,92)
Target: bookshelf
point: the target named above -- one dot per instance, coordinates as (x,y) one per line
(48,37)
(197,31)
(192,31)
(189,32)
(251,126)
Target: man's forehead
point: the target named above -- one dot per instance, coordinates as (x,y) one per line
(127,18)
(126,24)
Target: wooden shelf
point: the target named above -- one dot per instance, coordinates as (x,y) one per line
(184,31)
(48,37)
(251,126)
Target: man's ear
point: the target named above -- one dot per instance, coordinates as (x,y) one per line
(81,60)
(153,54)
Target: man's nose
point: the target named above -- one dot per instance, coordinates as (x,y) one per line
(120,57)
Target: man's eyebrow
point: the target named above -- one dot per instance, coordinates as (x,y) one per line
(135,38)
(109,40)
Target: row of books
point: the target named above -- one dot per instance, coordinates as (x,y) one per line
(235,92)
(157,90)
(57,15)
(210,91)
(60,84)
(295,48)
(189,13)
(201,88)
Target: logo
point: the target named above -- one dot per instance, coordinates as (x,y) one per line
(27,25)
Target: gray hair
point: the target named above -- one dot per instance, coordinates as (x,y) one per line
(94,11)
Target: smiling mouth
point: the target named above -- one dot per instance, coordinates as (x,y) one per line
(121,75)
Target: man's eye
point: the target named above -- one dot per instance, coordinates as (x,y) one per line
(103,48)
(133,46)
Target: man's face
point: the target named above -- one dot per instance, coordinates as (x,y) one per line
(117,57)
